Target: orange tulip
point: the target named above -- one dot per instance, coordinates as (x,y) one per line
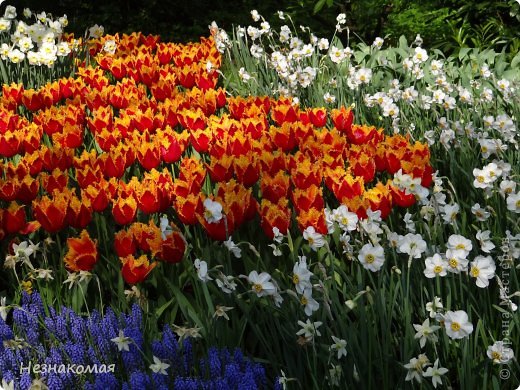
(136,270)
(124,243)
(275,215)
(124,210)
(14,218)
(342,119)
(274,187)
(51,213)
(82,254)
(79,213)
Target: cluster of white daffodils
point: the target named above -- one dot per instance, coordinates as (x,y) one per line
(455,260)
(302,283)
(284,52)
(38,42)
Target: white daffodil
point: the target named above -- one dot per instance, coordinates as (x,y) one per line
(301,275)
(221,311)
(261,284)
(233,248)
(415,368)
(435,266)
(483,237)
(72,279)
(483,269)
(226,283)
(7,385)
(435,373)
(309,329)
(513,202)
(500,353)
(158,366)
(413,245)
(346,220)
(165,227)
(372,257)
(96,31)
(426,332)
(212,211)
(434,307)
(122,342)
(45,274)
(310,304)
(460,245)
(314,238)
(457,325)
(339,346)
(3,308)
(456,264)
(202,270)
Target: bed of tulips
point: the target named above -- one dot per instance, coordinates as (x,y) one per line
(166,181)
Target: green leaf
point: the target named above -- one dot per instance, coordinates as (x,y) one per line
(319,5)
(463,52)
(515,62)
(161,309)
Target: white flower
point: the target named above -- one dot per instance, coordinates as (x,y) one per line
(457,325)
(3,308)
(233,248)
(486,245)
(202,270)
(261,284)
(378,42)
(425,332)
(499,353)
(323,44)
(10,12)
(309,302)
(435,373)
(16,56)
(372,257)
(413,245)
(415,368)
(420,55)
(255,15)
(347,220)
(480,213)
(340,346)
(226,283)
(435,265)
(309,329)
(329,98)
(212,211)
(244,76)
(7,385)
(456,262)
(165,227)
(483,269)
(122,341)
(220,311)
(460,245)
(513,202)
(336,55)
(45,274)
(110,47)
(301,275)
(314,239)
(341,18)
(434,307)
(158,366)
(96,31)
